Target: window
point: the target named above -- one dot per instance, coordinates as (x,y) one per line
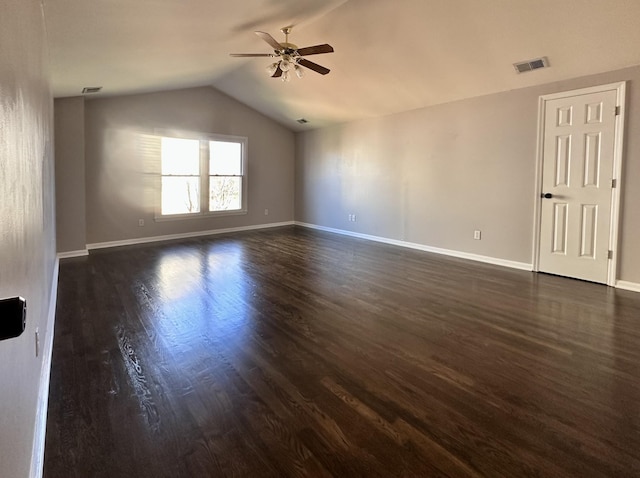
(202,175)
(180,176)
(225,176)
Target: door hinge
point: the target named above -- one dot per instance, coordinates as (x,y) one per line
(617,111)
(614,183)
(609,254)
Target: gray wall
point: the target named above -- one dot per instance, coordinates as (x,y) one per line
(27,230)
(70,172)
(120,171)
(431,176)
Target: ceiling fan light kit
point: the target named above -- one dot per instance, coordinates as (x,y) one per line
(271,69)
(290,57)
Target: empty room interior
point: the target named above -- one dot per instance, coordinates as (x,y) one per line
(348,238)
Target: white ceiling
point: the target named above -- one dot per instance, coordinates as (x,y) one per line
(390,56)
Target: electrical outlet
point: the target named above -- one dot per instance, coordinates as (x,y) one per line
(140,222)
(266,212)
(354,217)
(477,235)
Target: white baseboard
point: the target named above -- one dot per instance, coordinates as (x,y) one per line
(632,286)
(68,254)
(436,250)
(186,235)
(37,455)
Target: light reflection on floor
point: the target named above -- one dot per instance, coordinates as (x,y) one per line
(223,312)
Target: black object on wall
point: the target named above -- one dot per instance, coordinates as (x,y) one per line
(13,316)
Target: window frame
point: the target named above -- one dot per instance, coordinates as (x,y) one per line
(204,175)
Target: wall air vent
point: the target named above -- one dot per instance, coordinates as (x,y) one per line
(91,89)
(530,65)
(302,121)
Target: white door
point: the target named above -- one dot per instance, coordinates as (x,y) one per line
(577,170)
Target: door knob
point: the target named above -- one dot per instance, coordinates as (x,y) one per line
(546,195)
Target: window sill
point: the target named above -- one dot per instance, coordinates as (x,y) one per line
(200,215)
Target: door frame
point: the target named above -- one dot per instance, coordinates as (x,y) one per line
(620,89)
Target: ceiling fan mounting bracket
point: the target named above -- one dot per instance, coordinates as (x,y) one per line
(287,48)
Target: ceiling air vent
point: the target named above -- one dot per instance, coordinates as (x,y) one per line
(91,89)
(531,65)
(302,121)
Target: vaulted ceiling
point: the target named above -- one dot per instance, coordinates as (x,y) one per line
(390,56)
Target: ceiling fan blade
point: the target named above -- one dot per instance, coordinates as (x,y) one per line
(313,66)
(315,50)
(270,40)
(242,55)
(277,73)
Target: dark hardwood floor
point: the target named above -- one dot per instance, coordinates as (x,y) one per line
(291,352)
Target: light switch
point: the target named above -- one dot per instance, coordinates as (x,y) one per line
(13,316)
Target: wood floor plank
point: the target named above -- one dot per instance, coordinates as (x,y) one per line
(291,352)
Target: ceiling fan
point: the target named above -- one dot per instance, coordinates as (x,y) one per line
(290,57)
